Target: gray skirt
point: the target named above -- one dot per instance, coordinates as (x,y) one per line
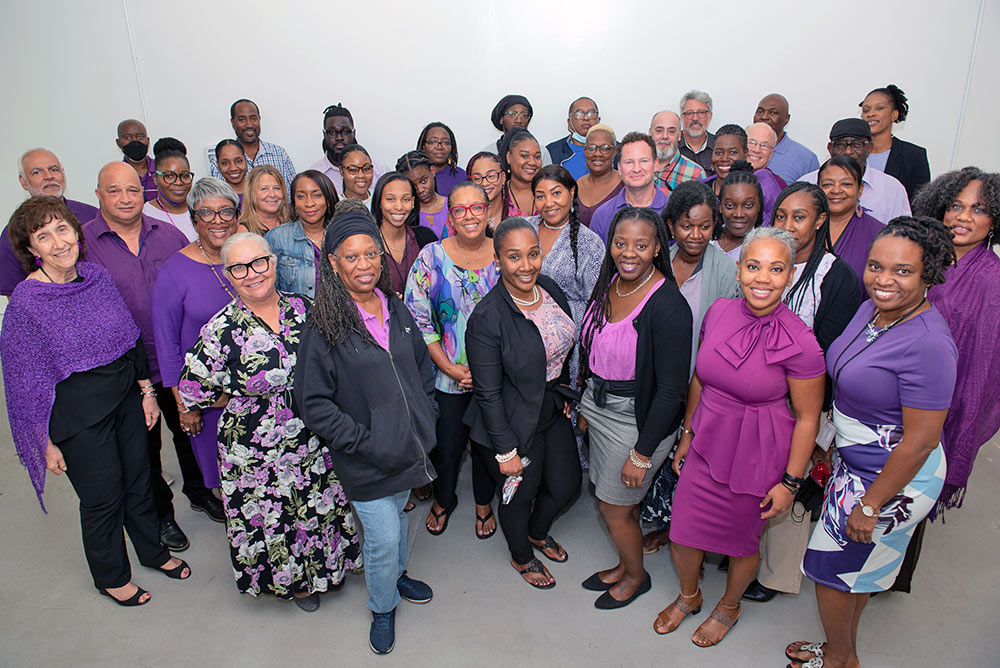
(612,434)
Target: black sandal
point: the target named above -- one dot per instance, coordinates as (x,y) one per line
(483,521)
(551,544)
(423,492)
(410,505)
(131,602)
(534,566)
(176,573)
(446,514)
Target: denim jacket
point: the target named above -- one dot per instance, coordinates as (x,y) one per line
(296,258)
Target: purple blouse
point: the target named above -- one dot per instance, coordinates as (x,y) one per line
(438,222)
(558,333)
(379,332)
(445,180)
(854,243)
(612,351)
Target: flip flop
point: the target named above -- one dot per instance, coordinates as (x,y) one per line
(446,514)
(483,521)
(534,566)
(551,544)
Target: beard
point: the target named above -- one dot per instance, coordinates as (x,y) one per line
(666,152)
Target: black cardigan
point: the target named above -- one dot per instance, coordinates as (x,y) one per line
(908,163)
(507,359)
(374,409)
(838,302)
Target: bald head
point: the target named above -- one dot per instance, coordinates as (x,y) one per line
(665,129)
(133,141)
(119,194)
(761,140)
(41,173)
(773,110)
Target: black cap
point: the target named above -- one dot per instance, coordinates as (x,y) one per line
(850,127)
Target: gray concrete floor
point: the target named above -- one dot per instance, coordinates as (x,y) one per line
(482,614)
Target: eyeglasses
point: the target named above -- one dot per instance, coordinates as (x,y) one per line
(333,132)
(459,211)
(692,114)
(514,115)
(259,265)
(352,259)
(589,115)
(443,143)
(491,176)
(354,170)
(171,177)
(605,149)
(753,143)
(226,215)
(856,144)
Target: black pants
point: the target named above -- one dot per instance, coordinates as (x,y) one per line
(548,483)
(904,581)
(108,466)
(452,437)
(194,485)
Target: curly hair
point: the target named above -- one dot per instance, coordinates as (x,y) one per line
(34,213)
(561,175)
(934,198)
(934,239)
(688,195)
(897,98)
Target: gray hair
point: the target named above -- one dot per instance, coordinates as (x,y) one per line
(784,236)
(210,186)
(240,237)
(20,161)
(698,95)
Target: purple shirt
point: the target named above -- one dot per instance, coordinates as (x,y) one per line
(602,217)
(135,275)
(771,185)
(854,243)
(148,181)
(612,351)
(379,332)
(445,180)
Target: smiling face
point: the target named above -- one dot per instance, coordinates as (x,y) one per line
(357,171)
(215,232)
(421,177)
(119,194)
(696,117)
(397,203)
(633,248)
(666,132)
(174,168)
(740,208)
(469,225)
(553,201)
(892,275)
(727,150)
(968,218)
(520,260)
(877,111)
(693,231)
(232,163)
(268,195)
(636,164)
(437,146)
(599,152)
(253,287)
(525,159)
(358,263)
(246,122)
(773,110)
(309,202)
(760,145)
(842,190)
(798,214)
(487,173)
(764,272)
(56,245)
(43,174)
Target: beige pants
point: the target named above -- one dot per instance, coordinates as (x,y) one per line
(781,550)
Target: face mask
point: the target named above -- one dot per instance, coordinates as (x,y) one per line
(577,137)
(135,150)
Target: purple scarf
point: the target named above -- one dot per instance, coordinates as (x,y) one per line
(969,300)
(51,330)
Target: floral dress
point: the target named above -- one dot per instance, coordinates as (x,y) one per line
(289,525)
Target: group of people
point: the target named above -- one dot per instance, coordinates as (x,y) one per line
(705,323)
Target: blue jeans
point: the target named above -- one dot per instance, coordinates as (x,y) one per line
(385,526)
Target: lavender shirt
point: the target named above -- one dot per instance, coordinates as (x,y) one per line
(445,180)
(379,332)
(602,217)
(135,275)
(612,351)
(884,196)
(437,222)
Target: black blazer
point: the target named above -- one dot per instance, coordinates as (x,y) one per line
(908,163)
(839,300)
(507,359)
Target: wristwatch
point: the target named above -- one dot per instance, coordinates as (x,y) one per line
(867,511)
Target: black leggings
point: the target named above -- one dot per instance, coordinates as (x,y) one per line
(452,436)
(548,483)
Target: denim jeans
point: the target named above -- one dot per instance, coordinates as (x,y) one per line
(385,526)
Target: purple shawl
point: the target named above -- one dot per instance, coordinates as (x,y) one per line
(50,331)
(969,300)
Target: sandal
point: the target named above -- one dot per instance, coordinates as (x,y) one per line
(177,572)
(422,493)
(654,540)
(815,662)
(550,544)
(663,619)
(533,566)
(481,521)
(410,505)
(131,602)
(814,648)
(701,640)
(446,514)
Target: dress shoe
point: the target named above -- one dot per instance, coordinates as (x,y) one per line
(412,590)
(172,538)
(608,602)
(211,506)
(308,603)
(759,593)
(382,636)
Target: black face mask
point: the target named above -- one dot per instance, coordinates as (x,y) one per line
(135,150)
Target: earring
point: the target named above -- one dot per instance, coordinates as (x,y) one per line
(38,261)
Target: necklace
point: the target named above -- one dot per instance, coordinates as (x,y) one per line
(636,288)
(535,296)
(225,286)
(393,248)
(42,269)
(872,331)
(465,256)
(164,210)
(555,227)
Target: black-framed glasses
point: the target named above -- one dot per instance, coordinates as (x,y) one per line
(443,143)
(579,114)
(605,149)
(459,211)
(171,177)
(226,215)
(517,115)
(334,132)
(698,112)
(354,170)
(491,176)
(753,143)
(260,265)
(353,258)
(856,144)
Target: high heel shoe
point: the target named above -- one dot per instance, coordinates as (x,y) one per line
(131,602)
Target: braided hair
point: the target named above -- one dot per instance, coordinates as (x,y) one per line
(897,98)
(453,154)
(934,239)
(741,173)
(934,198)
(561,175)
(822,244)
(411,160)
(334,312)
(599,304)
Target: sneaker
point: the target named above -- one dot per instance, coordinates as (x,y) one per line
(211,506)
(412,590)
(382,636)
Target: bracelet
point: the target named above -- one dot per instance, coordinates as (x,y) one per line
(638,463)
(685,430)
(506,457)
(789,478)
(794,489)
(149,393)
(186,409)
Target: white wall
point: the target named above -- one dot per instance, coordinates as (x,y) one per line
(69,75)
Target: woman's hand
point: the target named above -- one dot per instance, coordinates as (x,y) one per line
(150,410)
(54,459)
(780,498)
(860,527)
(568,409)
(682,451)
(632,475)
(512,467)
(462,374)
(191,422)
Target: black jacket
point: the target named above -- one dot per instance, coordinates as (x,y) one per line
(507,359)
(374,409)
(908,163)
(838,303)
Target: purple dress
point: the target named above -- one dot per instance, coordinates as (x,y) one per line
(743,425)
(587,212)
(448,178)
(187,294)
(854,243)
(913,365)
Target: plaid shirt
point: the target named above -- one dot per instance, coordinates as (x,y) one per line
(267,154)
(680,169)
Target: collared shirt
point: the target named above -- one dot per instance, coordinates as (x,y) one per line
(148,181)
(791,160)
(267,154)
(884,196)
(601,221)
(379,332)
(135,274)
(704,156)
(677,171)
(324,165)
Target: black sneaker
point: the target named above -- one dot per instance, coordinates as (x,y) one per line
(172,538)
(412,590)
(382,636)
(211,506)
